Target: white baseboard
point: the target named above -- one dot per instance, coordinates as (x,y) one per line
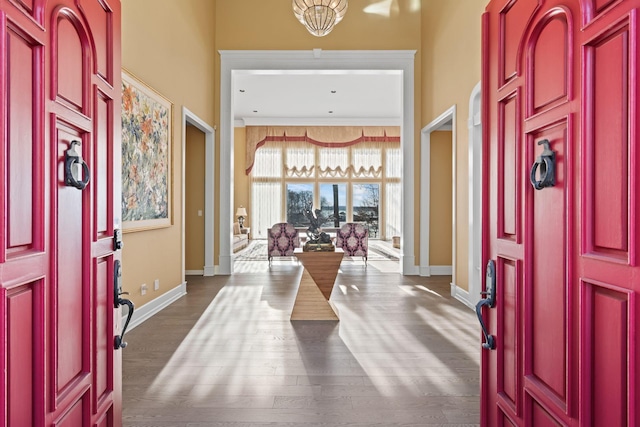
(436,270)
(462,296)
(194,272)
(408,265)
(441,270)
(225,265)
(155,306)
(209,270)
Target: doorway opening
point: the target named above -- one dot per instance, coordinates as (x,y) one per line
(194,201)
(438,139)
(234,63)
(197,127)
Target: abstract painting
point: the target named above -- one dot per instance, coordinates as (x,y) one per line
(146,156)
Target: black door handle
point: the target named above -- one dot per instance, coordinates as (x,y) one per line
(490,301)
(71,158)
(546,163)
(119,341)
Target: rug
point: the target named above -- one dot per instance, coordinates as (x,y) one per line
(257,251)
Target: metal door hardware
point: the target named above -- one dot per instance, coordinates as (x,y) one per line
(490,301)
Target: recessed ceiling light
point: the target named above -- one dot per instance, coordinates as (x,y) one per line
(255,111)
(241,90)
(330,111)
(333,91)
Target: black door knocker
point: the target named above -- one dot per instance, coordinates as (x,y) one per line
(71,176)
(546,162)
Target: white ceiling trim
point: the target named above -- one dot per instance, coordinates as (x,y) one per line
(297,121)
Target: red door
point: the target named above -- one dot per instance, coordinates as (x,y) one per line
(60,80)
(562,225)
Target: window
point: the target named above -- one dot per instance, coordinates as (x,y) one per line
(299,201)
(333,204)
(357,183)
(366,206)
(266,191)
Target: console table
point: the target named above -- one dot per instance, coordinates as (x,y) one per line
(319,275)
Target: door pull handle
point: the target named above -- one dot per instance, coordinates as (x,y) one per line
(119,341)
(118,301)
(490,301)
(71,158)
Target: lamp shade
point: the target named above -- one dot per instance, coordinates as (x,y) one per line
(241,211)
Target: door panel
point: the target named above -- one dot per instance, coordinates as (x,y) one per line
(60,81)
(607,316)
(509,354)
(607,145)
(540,417)
(24,214)
(99,16)
(22,344)
(69,282)
(75,416)
(103,354)
(513,14)
(549,64)
(570,321)
(69,55)
(509,169)
(20,75)
(546,348)
(598,6)
(103,159)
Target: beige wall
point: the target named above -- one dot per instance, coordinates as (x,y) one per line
(440,223)
(194,199)
(262,24)
(167,44)
(451,35)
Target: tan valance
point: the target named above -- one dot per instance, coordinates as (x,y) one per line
(326,136)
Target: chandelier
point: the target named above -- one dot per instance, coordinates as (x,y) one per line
(319,16)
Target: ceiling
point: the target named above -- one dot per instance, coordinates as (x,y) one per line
(317,97)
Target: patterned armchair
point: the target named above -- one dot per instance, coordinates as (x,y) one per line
(353,239)
(283,239)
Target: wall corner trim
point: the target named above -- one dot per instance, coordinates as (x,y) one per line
(462,296)
(154,306)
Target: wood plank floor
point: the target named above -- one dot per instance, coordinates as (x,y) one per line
(403,354)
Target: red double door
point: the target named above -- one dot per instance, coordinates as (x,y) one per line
(59,90)
(562,212)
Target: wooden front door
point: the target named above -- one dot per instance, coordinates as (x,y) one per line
(562,224)
(60,80)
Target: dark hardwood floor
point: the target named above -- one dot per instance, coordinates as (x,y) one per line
(403,354)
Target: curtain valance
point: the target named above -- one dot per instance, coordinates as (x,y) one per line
(325,136)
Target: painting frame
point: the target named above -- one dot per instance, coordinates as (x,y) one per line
(147,144)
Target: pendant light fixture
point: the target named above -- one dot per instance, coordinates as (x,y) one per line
(319,16)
